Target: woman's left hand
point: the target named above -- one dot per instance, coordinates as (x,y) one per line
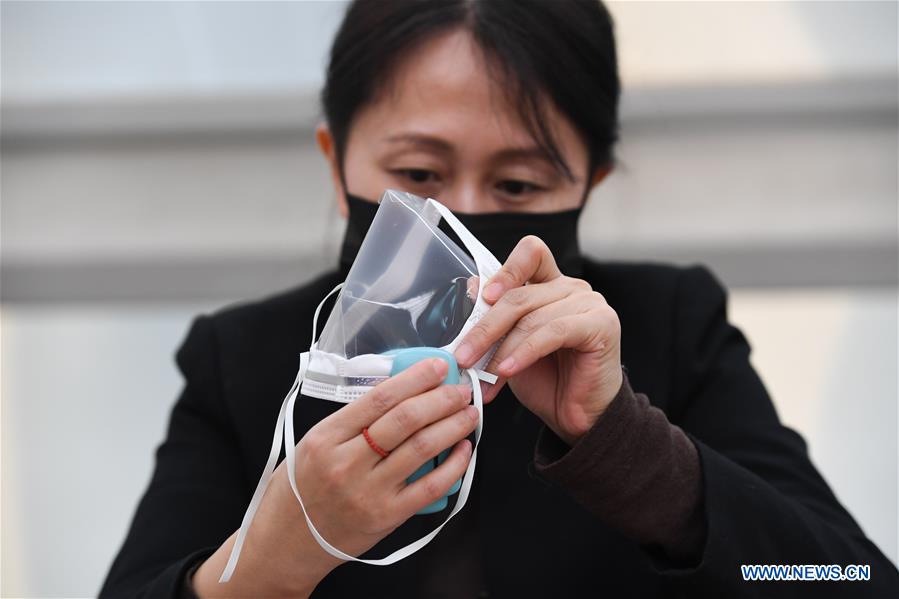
(562,350)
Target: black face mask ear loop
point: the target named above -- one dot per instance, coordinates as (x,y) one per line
(342,174)
(587,187)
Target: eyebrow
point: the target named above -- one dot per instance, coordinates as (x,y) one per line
(440,145)
(529,153)
(425,141)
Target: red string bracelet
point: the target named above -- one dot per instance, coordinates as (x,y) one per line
(371,443)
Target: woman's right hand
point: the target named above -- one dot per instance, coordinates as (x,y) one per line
(354,496)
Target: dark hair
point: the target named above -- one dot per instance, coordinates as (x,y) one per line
(563,48)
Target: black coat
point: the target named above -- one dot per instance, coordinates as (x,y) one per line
(764,501)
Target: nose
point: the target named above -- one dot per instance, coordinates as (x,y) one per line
(464,197)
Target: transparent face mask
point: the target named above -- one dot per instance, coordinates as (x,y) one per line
(411,285)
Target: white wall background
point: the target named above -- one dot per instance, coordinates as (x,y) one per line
(64,50)
(756,135)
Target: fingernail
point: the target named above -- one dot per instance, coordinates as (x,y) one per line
(493,291)
(507,365)
(472,288)
(440,366)
(472,412)
(464,391)
(463,353)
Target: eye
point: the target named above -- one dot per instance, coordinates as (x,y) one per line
(517,188)
(417,175)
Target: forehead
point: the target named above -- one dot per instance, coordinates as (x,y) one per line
(444,88)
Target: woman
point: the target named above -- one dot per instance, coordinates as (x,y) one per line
(656,480)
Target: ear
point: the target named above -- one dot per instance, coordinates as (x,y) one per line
(325,142)
(599,174)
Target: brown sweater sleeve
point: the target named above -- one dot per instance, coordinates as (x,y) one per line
(636,472)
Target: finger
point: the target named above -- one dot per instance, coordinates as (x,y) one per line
(514,337)
(528,325)
(436,483)
(426,444)
(490,391)
(415,413)
(416,379)
(585,332)
(511,308)
(573,304)
(530,262)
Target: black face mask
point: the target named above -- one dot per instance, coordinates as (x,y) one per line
(500,232)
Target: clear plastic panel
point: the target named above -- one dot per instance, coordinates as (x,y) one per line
(409,286)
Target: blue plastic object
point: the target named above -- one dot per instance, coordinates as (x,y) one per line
(404,358)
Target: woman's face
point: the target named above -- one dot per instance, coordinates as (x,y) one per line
(443,129)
